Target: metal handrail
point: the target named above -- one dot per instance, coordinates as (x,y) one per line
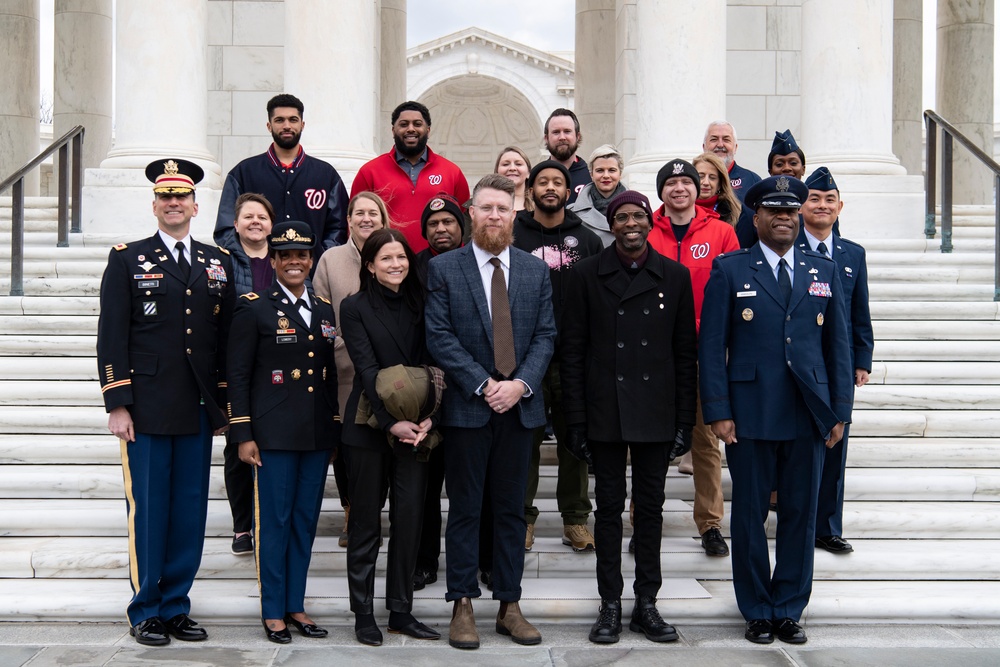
(16,182)
(950,134)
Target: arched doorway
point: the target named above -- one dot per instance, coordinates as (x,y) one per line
(474,117)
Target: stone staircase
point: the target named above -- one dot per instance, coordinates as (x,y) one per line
(923,489)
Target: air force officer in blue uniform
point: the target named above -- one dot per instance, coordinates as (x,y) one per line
(820,212)
(166,302)
(775,387)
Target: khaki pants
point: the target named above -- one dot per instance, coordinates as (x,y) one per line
(706,459)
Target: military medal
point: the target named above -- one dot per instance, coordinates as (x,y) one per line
(283,322)
(296,373)
(215,311)
(328,329)
(819,319)
(747,314)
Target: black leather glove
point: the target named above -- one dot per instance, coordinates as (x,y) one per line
(682,442)
(576,443)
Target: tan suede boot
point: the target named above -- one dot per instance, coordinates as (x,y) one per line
(462,633)
(511,622)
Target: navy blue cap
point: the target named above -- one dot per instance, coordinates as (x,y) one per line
(784,143)
(777,192)
(821,179)
(676,167)
(291,235)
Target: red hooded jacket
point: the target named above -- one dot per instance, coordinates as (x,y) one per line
(707,237)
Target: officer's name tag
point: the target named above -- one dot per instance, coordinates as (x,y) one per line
(750,293)
(820,289)
(286,339)
(146,284)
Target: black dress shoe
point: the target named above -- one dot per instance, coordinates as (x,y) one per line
(486,576)
(835,544)
(646,619)
(182,627)
(713,544)
(789,631)
(305,629)
(282,636)
(609,623)
(369,635)
(242,545)
(150,632)
(759,631)
(417,630)
(422,578)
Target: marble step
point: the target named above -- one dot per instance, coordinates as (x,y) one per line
(865,452)
(48,368)
(44,253)
(89,482)
(920,291)
(56,286)
(941,330)
(16,325)
(680,557)
(48,305)
(931,274)
(59,269)
(987,309)
(49,346)
(934,372)
(866,423)
(682,602)
(862,519)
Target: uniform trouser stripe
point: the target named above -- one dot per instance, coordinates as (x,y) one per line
(133,565)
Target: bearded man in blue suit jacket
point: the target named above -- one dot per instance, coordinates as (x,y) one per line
(775,387)
(490,406)
(820,212)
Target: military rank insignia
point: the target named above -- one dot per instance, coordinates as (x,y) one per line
(820,289)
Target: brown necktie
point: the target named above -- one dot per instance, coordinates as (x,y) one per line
(503,332)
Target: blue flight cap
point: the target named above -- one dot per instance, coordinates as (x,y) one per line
(784,143)
(821,179)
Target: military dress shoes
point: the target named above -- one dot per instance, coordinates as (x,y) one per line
(835,544)
(310,630)
(150,632)
(578,536)
(282,636)
(182,627)
(789,631)
(646,619)
(511,623)
(423,578)
(713,544)
(529,537)
(415,629)
(608,627)
(462,632)
(242,545)
(759,631)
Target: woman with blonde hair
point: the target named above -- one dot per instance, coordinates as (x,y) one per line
(591,204)
(513,163)
(716,192)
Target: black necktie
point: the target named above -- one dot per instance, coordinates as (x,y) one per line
(182,262)
(784,282)
(301,303)
(503,330)
(821,249)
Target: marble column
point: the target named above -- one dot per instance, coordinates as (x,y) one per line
(161,105)
(331,58)
(392,68)
(19,88)
(595,71)
(82,83)
(671,100)
(965,90)
(847,86)
(907,90)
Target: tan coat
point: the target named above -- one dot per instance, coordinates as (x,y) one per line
(338,277)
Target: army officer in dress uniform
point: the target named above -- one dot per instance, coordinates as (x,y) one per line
(283,411)
(166,302)
(775,387)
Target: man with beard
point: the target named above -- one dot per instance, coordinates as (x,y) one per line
(298,186)
(720,138)
(490,328)
(562,139)
(410,174)
(558,237)
(629,349)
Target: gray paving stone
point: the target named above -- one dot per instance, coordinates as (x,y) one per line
(55,634)
(187,655)
(74,656)
(895,657)
(388,656)
(667,654)
(16,655)
(982,636)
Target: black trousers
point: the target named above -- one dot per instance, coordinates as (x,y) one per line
(649,474)
(498,452)
(239,488)
(368,469)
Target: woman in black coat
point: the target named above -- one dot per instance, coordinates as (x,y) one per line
(383,326)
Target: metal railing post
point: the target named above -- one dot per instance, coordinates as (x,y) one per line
(930,185)
(996,239)
(946,192)
(77,219)
(62,229)
(17,239)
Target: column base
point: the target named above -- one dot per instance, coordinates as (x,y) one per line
(640,173)
(347,163)
(880,206)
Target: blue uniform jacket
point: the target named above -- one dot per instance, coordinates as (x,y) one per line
(755,354)
(460,333)
(852,270)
